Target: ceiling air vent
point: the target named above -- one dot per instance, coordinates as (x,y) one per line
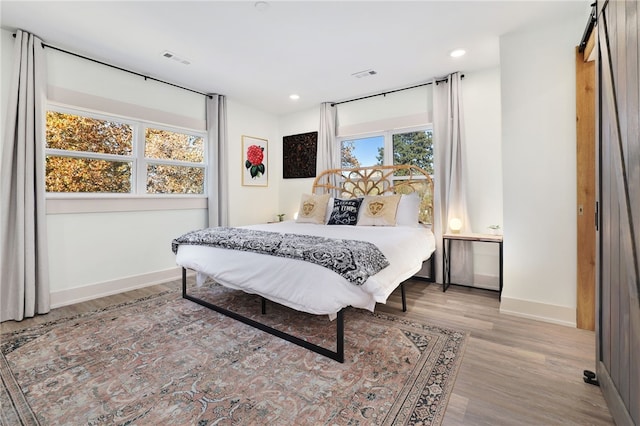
(365,73)
(175,57)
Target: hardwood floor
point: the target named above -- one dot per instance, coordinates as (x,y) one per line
(515,371)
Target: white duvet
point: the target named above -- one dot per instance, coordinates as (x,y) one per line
(309,287)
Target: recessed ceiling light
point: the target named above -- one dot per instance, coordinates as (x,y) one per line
(294,97)
(457,53)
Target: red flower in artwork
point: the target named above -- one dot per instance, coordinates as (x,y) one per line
(255,156)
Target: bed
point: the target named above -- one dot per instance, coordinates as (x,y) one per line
(394,248)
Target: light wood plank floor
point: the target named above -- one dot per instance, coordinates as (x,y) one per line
(515,371)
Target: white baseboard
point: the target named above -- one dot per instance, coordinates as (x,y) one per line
(108,288)
(555,314)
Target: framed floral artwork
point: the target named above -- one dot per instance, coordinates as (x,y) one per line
(255,168)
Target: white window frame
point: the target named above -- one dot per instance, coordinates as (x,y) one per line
(388,140)
(138,199)
(144,161)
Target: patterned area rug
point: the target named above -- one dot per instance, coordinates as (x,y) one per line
(166,360)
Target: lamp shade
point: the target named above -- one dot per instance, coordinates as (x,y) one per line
(455,224)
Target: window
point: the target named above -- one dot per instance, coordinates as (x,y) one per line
(93,153)
(362,152)
(415,148)
(407,146)
(171,158)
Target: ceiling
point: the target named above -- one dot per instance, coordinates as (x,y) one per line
(260,55)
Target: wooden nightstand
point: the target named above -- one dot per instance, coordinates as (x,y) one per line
(446,259)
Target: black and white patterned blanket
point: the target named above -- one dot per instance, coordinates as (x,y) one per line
(354,260)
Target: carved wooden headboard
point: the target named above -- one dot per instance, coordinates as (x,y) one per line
(379,180)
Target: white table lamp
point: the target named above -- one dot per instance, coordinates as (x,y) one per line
(455,225)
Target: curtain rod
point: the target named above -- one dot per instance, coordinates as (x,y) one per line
(146,77)
(390,91)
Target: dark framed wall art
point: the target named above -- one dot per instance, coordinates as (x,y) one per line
(299,154)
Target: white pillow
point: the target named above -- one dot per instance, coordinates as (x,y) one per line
(408,210)
(313,208)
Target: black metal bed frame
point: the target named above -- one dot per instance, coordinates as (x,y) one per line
(337,355)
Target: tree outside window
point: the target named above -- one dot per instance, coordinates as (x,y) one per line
(98,154)
(413,147)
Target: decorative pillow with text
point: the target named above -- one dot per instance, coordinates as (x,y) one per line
(345,212)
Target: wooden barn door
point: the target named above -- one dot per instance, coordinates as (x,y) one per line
(618,327)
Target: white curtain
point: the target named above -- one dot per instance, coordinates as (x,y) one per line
(328,150)
(450,182)
(24,268)
(217,184)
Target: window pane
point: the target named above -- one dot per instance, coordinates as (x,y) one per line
(166,145)
(76,133)
(65,174)
(362,152)
(414,148)
(163,179)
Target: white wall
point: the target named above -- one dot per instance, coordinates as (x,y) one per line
(95,252)
(291,189)
(539,170)
(481,99)
(118,89)
(90,248)
(406,108)
(252,204)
